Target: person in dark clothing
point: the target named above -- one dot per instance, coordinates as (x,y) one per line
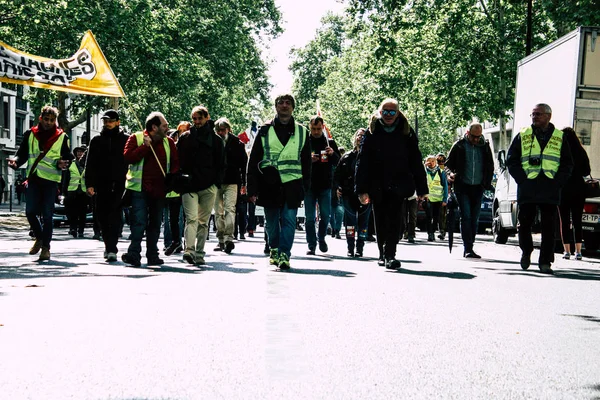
(356,215)
(2,187)
(539,160)
(46,150)
(470,168)
(388,170)
(76,201)
(279,176)
(572,198)
(324,156)
(105,171)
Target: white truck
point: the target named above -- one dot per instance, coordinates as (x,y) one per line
(565,75)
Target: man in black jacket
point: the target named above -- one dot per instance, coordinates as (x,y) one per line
(234,180)
(105,172)
(470,166)
(202,158)
(389,170)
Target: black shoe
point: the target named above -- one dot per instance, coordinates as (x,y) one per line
(73,233)
(350,253)
(229,246)
(173,248)
(411,239)
(242,237)
(267,249)
(337,235)
(381,262)
(251,234)
(431,237)
(189,258)
(545,268)
(371,238)
(358,254)
(471,254)
(220,247)
(310,252)
(97,237)
(525,261)
(131,260)
(323,246)
(392,263)
(80,235)
(155,261)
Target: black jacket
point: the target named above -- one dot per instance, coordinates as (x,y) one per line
(202,157)
(265,183)
(237,161)
(456,163)
(390,163)
(575,186)
(321,175)
(541,190)
(105,167)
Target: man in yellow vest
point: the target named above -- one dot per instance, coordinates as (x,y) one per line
(46,150)
(76,202)
(278,177)
(540,161)
(438,195)
(150,154)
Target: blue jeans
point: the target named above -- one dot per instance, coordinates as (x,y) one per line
(280,224)
(469,202)
(358,220)
(337,214)
(40,202)
(145,215)
(311,198)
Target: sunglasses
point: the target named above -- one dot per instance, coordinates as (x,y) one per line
(537,114)
(389,112)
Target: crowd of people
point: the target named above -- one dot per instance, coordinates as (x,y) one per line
(180,176)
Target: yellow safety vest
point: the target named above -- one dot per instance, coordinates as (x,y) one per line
(286,159)
(135,172)
(76,178)
(436,190)
(549,158)
(47,167)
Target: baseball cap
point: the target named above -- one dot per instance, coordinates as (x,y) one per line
(110,114)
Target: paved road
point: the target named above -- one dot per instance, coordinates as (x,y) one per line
(332,328)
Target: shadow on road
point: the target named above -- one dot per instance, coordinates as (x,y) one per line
(585,318)
(225,267)
(574,274)
(435,274)
(330,272)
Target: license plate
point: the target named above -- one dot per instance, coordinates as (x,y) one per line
(590,218)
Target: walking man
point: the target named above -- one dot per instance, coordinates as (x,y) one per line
(279,176)
(105,171)
(470,168)
(76,201)
(151,155)
(539,160)
(324,157)
(46,150)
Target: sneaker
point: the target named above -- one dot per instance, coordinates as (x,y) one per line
(155,261)
(381,262)
(267,249)
(471,254)
(45,254)
(250,233)
(525,261)
(431,237)
(578,256)
(229,246)
(111,257)
(392,263)
(284,261)
(350,253)
(189,258)
(442,236)
(131,260)
(566,256)
(274,257)
(546,269)
(220,247)
(358,254)
(173,248)
(323,246)
(200,262)
(310,252)
(37,245)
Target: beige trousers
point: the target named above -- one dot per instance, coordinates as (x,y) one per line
(225,212)
(197,207)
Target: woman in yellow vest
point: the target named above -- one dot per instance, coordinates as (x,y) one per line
(438,195)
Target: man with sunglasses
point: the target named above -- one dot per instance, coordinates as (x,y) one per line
(539,160)
(470,168)
(279,176)
(389,170)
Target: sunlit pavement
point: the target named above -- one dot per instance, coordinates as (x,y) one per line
(441,327)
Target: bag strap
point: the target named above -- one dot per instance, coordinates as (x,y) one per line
(35,163)
(159,165)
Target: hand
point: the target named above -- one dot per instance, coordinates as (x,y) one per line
(147,140)
(243,190)
(90,191)
(364,198)
(328,150)
(62,164)
(444,204)
(252,199)
(451,177)
(339,193)
(315,157)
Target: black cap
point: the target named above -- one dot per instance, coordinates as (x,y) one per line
(110,114)
(83,148)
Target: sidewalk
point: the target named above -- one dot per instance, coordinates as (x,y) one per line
(5,209)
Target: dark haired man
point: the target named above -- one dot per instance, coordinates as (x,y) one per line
(151,155)
(46,150)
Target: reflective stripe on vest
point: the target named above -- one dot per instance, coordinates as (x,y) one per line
(286,159)
(46,168)
(436,190)
(134,175)
(550,157)
(76,178)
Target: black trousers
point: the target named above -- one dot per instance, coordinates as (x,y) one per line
(527,213)
(77,207)
(571,207)
(388,223)
(109,216)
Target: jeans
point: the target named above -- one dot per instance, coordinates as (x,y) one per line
(409,216)
(527,213)
(173,220)
(469,202)
(337,214)
(241,215)
(40,202)
(280,225)
(146,213)
(311,198)
(358,222)
(251,217)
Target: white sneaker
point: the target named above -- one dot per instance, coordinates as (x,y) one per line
(111,257)
(566,256)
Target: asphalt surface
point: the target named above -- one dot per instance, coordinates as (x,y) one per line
(332,328)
